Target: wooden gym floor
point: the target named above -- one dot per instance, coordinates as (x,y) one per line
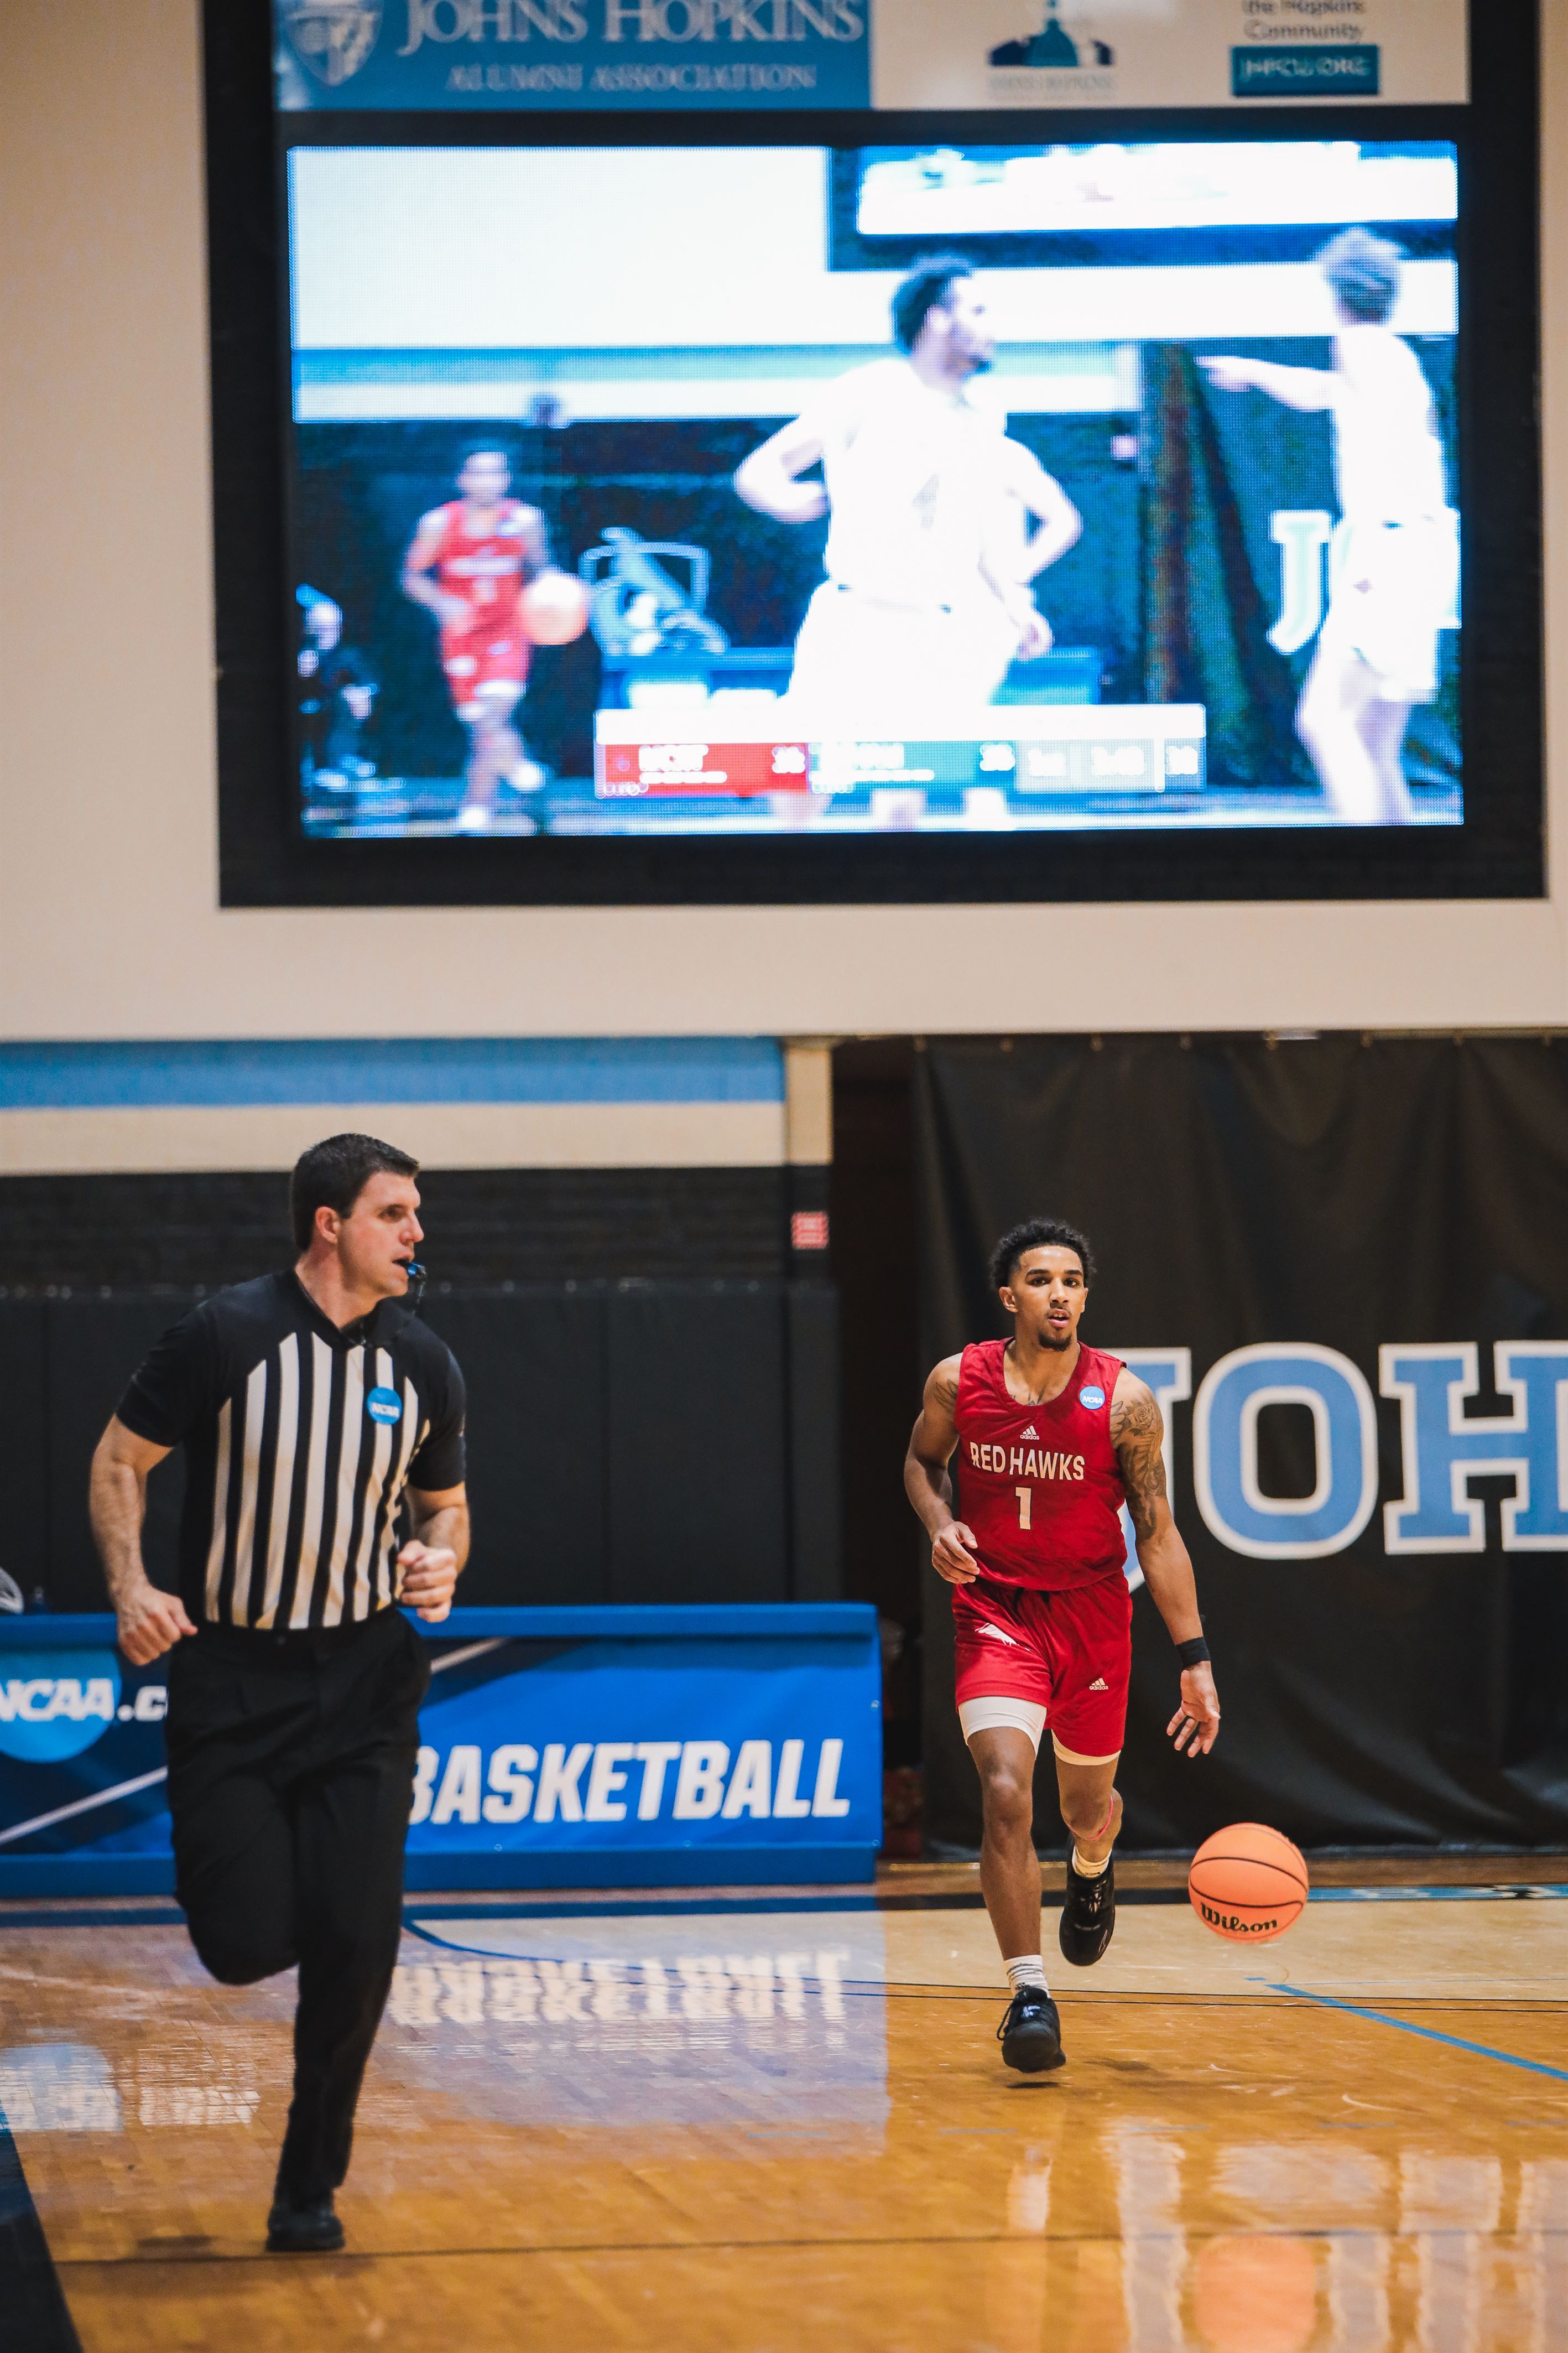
(752,2123)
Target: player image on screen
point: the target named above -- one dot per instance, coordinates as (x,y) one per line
(1377,655)
(467,563)
(1186,395)
(930,556)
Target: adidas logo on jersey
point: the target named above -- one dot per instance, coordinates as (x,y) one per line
(1031,1431)
(1099,1683)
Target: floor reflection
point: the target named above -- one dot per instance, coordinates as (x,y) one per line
(784,2133)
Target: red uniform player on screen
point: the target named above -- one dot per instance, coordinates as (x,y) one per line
(1051,1438)
(467,563)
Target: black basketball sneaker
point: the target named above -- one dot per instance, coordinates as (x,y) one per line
(1031,2032)
(1089,1915)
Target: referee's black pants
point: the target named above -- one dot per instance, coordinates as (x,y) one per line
(292,1764)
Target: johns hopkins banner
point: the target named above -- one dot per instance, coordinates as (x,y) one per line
(1342,1266)
(558,1747)
(423,55)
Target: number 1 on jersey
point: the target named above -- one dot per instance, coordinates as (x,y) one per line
(1026,1497)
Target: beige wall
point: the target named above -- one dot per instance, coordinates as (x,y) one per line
(109,918)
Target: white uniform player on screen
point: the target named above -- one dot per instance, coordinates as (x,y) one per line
(930,547)
(1397,572)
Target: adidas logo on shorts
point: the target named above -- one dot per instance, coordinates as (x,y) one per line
(1099,1683)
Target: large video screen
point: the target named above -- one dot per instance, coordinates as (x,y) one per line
(695,491)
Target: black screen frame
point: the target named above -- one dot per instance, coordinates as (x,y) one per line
(264,857)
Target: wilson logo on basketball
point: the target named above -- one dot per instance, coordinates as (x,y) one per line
(1235,1926)
(1248,1884)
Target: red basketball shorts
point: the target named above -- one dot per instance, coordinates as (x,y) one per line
(1070,1653)
(488,661)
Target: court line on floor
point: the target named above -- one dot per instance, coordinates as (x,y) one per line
(357,2257)
(1427,2033)
(862,1989)
(37,2317)
(474,1904)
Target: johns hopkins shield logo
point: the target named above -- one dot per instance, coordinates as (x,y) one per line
(331,38)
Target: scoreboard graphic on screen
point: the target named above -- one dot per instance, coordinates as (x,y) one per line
(1049,766)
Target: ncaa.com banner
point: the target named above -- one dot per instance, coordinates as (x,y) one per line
(425,55)
(558,1747)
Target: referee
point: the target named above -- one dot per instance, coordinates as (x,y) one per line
(314,1409)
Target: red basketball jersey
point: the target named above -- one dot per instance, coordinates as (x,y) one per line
(1040,1484)
(486,570)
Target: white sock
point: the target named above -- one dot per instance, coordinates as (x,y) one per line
(1028,1970)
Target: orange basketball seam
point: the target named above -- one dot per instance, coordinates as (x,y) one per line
(1250,1862)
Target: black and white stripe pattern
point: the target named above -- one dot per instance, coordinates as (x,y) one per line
(306,1486)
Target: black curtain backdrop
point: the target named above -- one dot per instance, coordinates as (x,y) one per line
(1340,1191)
(627,1442)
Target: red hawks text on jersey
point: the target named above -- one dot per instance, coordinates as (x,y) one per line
(483,570)
(1039,1485)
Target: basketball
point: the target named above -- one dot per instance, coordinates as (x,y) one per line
(1248,1884)
(553,609)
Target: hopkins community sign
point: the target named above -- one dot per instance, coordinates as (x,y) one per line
(497,55)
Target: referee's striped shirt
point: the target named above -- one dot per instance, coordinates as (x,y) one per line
(300,1439)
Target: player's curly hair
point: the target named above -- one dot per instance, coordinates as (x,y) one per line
(926,288)
(485,445)
(1363,272)
(1037,1233)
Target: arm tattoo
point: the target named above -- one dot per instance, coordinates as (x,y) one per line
(1136,1433)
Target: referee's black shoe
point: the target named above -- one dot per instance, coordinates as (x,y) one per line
(1031,2032)
(304,2226)
(1088,1914)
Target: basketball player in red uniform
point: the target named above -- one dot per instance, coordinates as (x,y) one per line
(466,563)
(1051,1438)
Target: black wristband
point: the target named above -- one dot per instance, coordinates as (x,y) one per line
(1193,1653)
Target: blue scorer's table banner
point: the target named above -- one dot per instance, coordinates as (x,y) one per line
(558,1748)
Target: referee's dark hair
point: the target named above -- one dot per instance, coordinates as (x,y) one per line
(1037,1233)
(335,1173)
(926,288)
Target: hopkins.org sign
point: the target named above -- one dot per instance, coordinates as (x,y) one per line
(500,54)
(558,1747)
